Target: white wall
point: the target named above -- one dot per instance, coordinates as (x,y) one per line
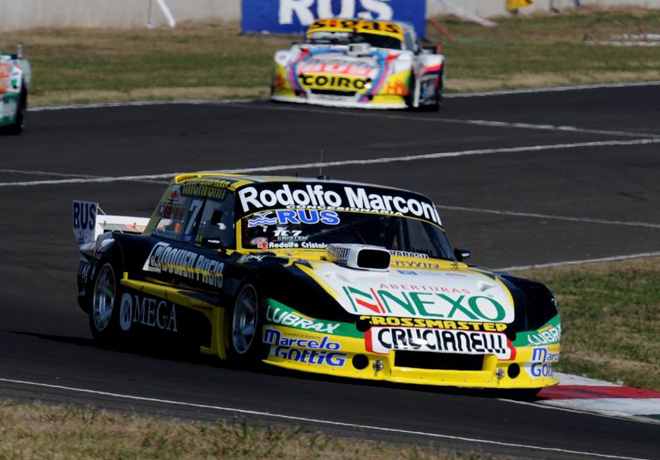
(490,8)
(23,14)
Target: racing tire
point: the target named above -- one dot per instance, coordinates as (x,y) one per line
(437,103)
(410,98)
(245,321)
(19,123)
(105,308)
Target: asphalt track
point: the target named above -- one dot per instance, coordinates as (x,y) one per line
(520,179)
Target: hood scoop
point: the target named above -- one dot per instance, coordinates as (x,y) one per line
(360,256)
(359,49)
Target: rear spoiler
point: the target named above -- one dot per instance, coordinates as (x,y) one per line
(89,222)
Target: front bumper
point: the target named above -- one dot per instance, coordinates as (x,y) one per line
(347,357)
(378,102)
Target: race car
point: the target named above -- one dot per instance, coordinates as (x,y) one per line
(314,275)
(15,79)
(360,63)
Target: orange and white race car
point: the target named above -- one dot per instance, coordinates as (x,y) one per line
(359,63)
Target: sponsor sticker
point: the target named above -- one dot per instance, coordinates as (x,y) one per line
(206,188)
(539,370)
(336,67)
(275,337)
(549,334)
(184,263)
(334,197)
(303,350)
(294,216)
(334,82)
(433,323)
(84,221)
(147,311)
(287,317)
(450,305)
(542,355)
(417,255)
(384,339)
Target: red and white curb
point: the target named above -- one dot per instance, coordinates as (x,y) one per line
(591,395)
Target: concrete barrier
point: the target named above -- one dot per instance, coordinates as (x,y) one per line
(493,8)
(24,14)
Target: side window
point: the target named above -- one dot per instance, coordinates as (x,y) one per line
(170,217)
(217,222)
(410,41)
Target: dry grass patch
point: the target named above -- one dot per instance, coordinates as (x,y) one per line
(545,79)
(143,94)
(611,319)
(70,433)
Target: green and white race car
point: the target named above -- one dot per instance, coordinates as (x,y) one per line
(15,79)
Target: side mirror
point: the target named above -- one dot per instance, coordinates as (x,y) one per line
(216,217)
(462,254)
(212,243)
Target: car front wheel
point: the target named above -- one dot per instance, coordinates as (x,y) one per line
(245,324)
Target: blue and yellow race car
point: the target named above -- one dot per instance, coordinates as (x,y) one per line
(315,275)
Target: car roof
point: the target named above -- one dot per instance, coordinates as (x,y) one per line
(337,24)
(240,180)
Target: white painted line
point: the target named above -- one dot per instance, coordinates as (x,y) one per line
(553,89)
(550,217)
(581,262)
(382,160)
(312,420)
(360,113)
(496,124)
(563,128)
(43,173)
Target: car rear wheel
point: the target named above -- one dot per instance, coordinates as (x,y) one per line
(21,109)
(105,305)
(245,324)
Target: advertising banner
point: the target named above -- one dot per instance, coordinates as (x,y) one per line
(294,16)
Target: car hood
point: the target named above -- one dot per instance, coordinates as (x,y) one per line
(422,288)
(339,63)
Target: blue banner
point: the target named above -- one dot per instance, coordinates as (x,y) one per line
(294,16)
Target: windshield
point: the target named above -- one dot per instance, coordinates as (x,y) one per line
(315,229)
(346,38)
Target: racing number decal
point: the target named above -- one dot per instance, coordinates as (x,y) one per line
(195,206)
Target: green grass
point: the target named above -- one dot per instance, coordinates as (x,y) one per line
(212,60)
(610,318)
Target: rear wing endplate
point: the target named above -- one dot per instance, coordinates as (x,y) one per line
(89,222)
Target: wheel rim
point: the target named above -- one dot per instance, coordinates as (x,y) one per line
(104,298)
(244,321)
